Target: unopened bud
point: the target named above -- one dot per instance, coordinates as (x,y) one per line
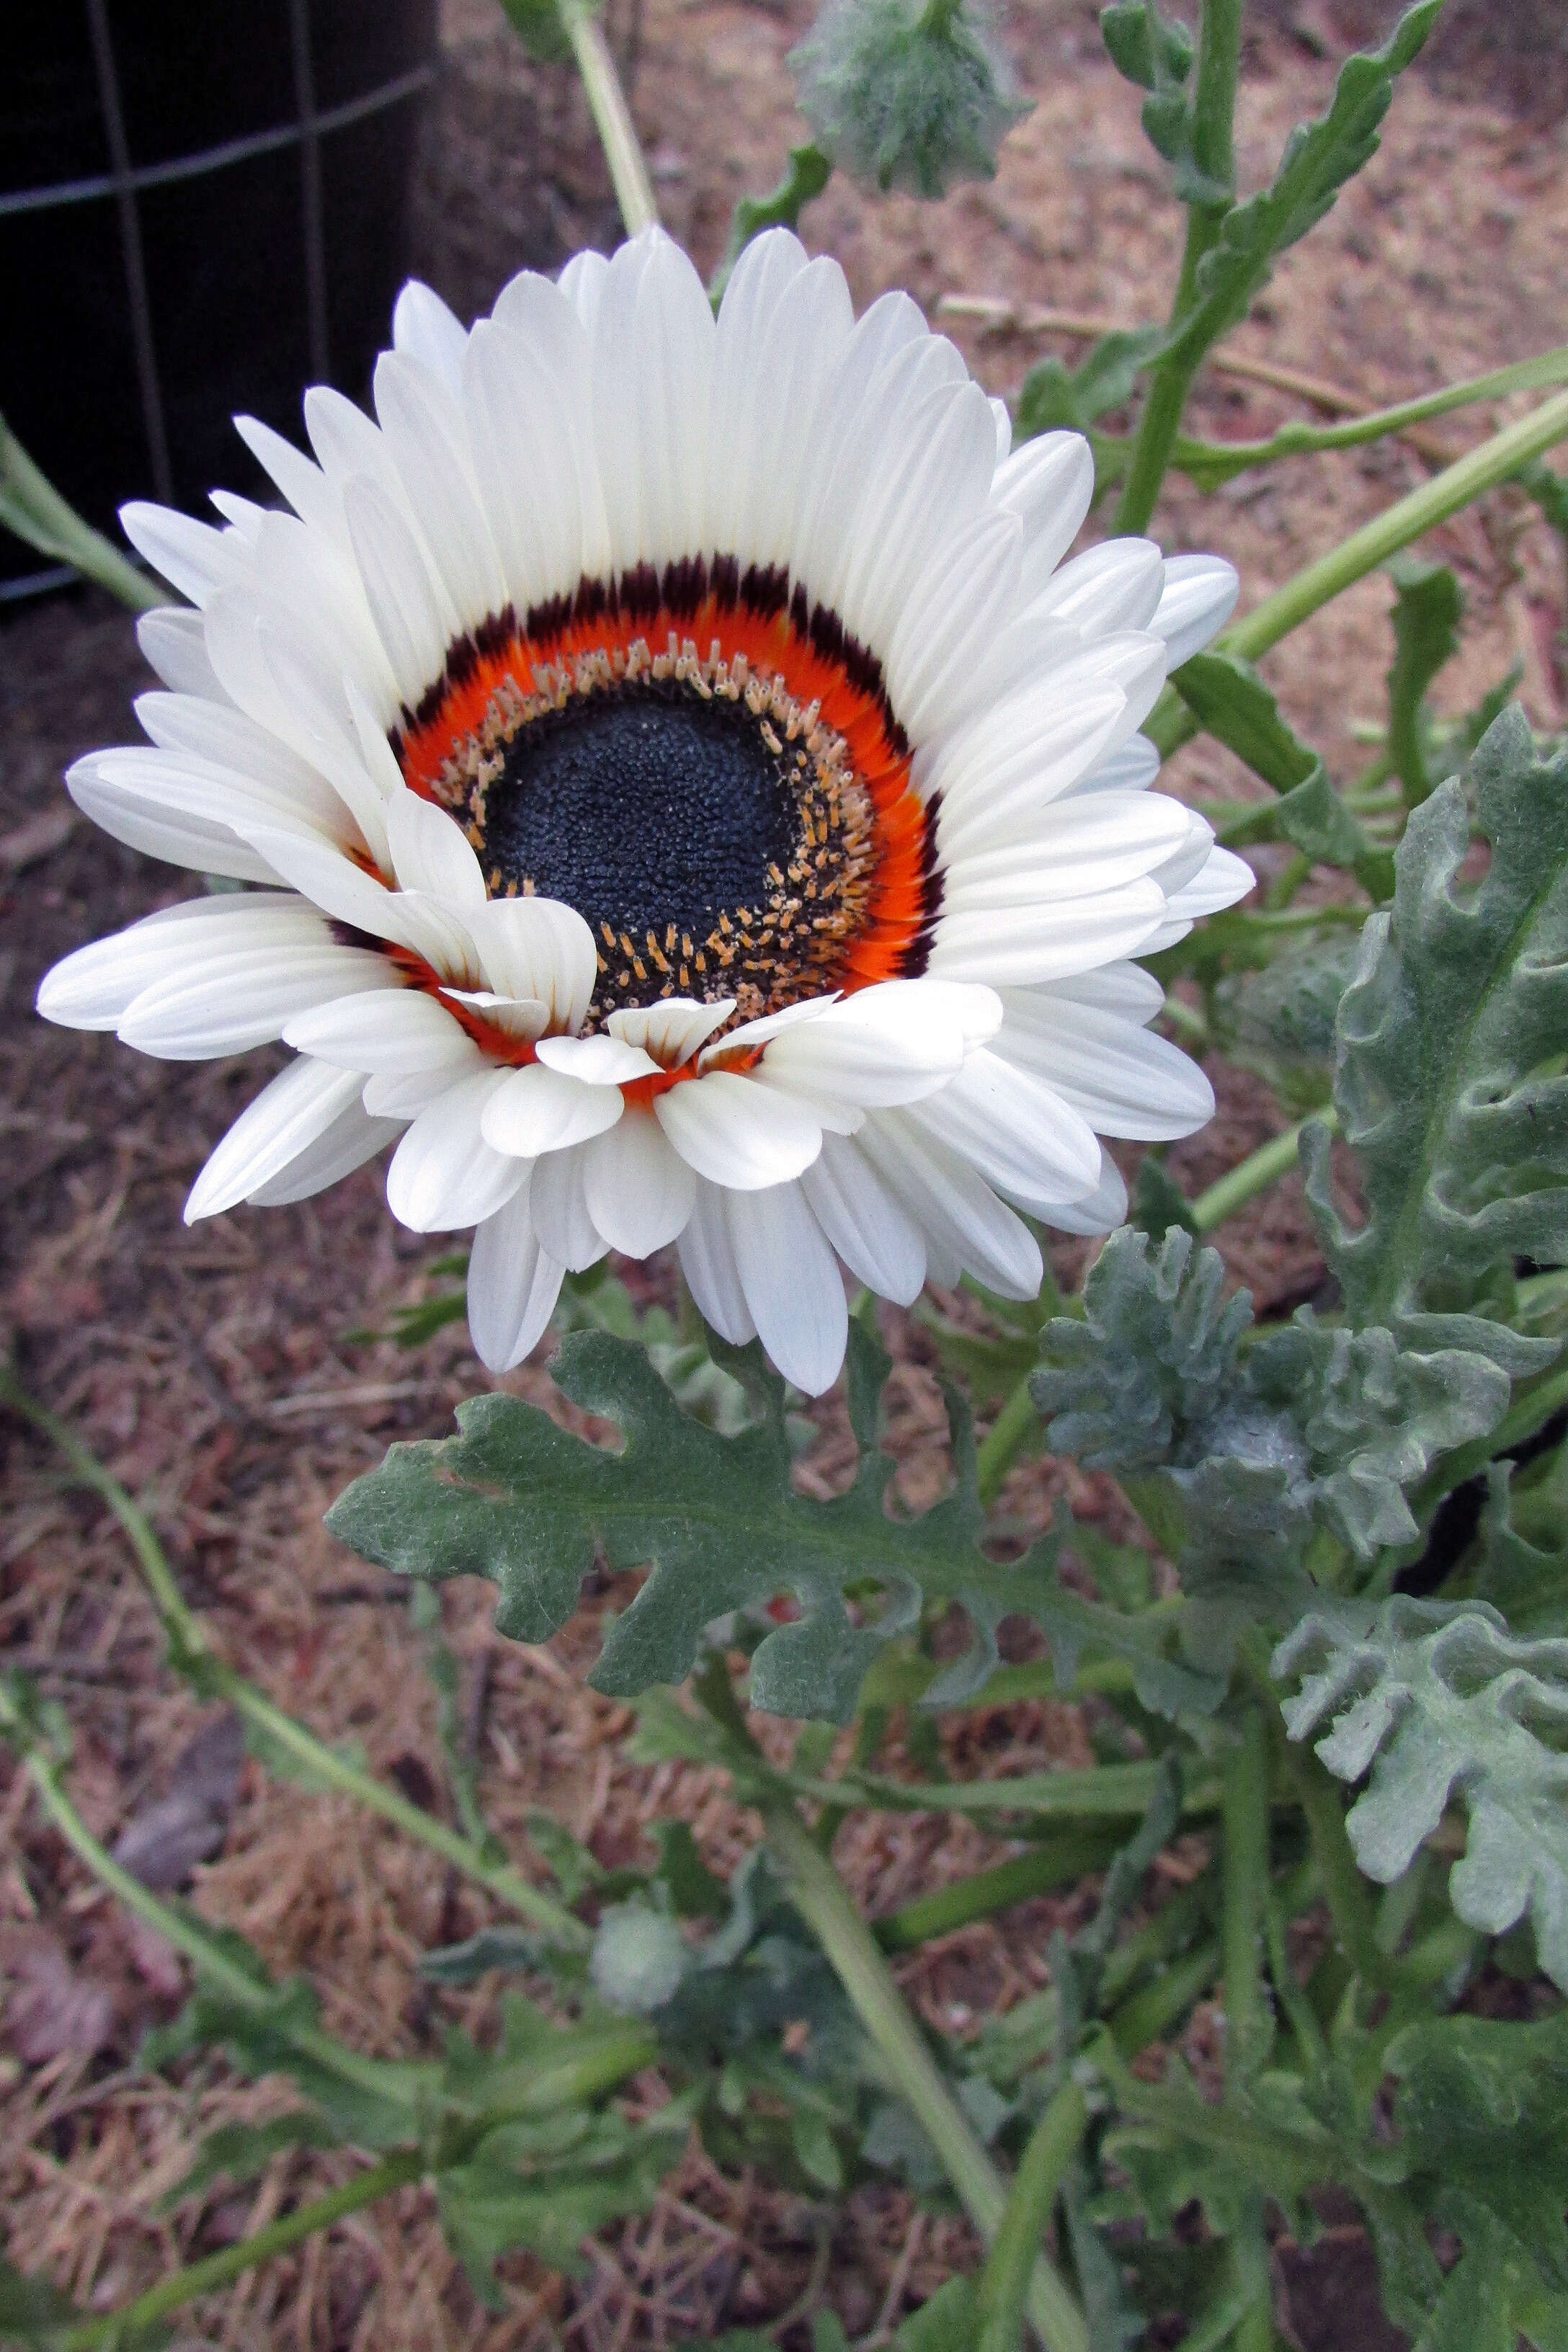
(914,97)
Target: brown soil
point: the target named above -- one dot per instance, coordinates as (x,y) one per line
(181,1356)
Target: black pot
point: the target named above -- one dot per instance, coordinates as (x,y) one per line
(203,208)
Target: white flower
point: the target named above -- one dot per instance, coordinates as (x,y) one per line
(691,802)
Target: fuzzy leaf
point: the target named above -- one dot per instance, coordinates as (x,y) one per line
(1318,158)
(240,2152)
(1447,1043)
(547,2182)
(1523,1567)
(1279,1023)
(1156,1352)
(517,1499)
(1483,2109)
(1055,396)
(1438,1699)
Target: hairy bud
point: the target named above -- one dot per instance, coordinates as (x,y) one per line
(909,97)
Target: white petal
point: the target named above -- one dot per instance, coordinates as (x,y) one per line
(413,628)
(172,642)
(888,1044)
(403,1094)
(542,949)
(422,324)
(769,379)
(190,555)
(1077,848)
(708,1263)
(583,284)
(352,1140)
(431,852)
(443,1173)
(922,487)
(141,819)
(1002,416)
(955,1208)
(514,1284)
(1123,1080)
(92,988)
(538,1109)
(1222,881)
(229,1001)
(524,419)
(1116,585)
(737,1133)
(302,482)
(1048,483)
(393,1033)
(996,774)
(286,1119)
(935,665)
(878,1239)
(1008,1124)
(561,1215)
(1123,988)
(426,435)
(1104,1209)
(1131,768)
(793,1285)
(1027,946)
(1199,598)
(639,1193)
(597,1060)
(672,1030)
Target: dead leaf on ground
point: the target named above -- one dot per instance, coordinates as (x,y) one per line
(162,1842)
(51,2012)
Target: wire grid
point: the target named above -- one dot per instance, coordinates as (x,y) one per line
(125,181)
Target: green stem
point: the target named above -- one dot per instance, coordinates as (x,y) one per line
(1344,1889)
(1266,1166)
(120,2328)
(1005,1440)
(824,1903)
(1479,470)
(1147,2016)
(190,1936)
(1214,115)
(1245,1818)
(1097,1792)
(32,506)
(612,116)
(808,174)
(1211,462)
(1005,2282)
(1059,1863)
(191,1653)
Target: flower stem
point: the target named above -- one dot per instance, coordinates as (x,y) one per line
(32,506)
(612,116)
(1211,462)
(1245,1818)
(1005,1440)
(823,1901)
(1070,1856)
(1481,469)
(1005,2282)
(1214,155)
(1254,1174)
(120,2328)
(191,1655)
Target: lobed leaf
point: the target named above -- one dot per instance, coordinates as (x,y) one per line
(517,1499)
(1439,1699)
(1428,607)
(1448,1083)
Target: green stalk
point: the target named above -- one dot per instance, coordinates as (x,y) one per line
(1004,2285)
(1481,469)
(1211,462)
(820,1896)
(120,2328)
(1245,1818)
(1059,1863)
(1253,1174)
(191,1655)
(612,116)
(190,1938)
(1343,1887)
(32,506)
(999,1448)
(1214,116)
(1097,1792)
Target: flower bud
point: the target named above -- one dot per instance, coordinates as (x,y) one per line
(909,97)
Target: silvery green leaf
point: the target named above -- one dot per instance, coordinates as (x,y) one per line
(1279,1023)
(518,1499)
(1523,1566)
(1428,607)
(1155,1353)
(1439,1700)
(1447,1081)
(908,94)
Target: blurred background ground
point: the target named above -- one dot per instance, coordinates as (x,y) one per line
(214,1369)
